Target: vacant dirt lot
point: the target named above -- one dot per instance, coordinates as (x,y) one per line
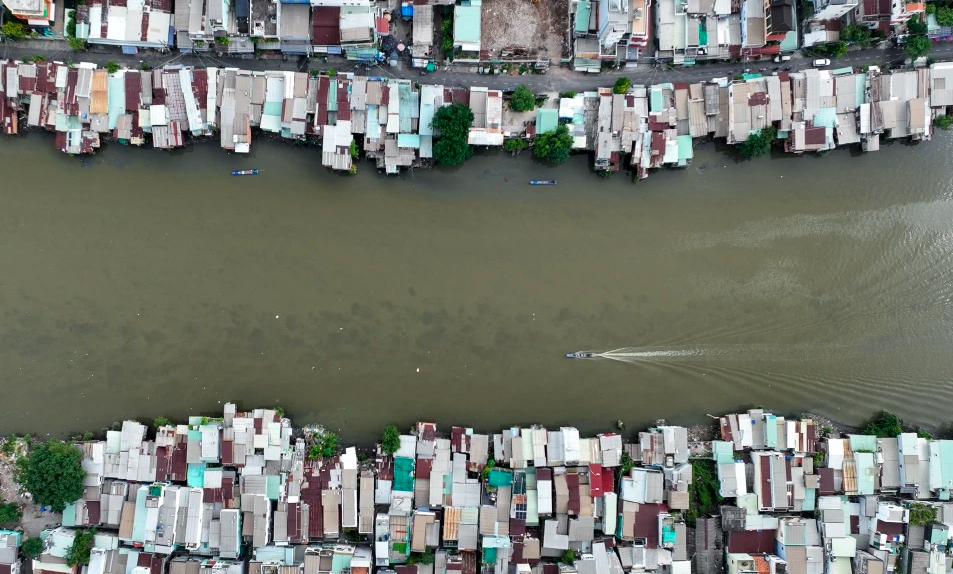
(540,27)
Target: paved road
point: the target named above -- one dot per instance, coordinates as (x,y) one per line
(556,80)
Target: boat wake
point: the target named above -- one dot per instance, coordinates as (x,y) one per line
(725,352)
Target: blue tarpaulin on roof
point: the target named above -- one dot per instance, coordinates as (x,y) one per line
(241,9)
(130,50)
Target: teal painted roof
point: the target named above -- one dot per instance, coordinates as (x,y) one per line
(489,555)
(195,476)
(583,13)
(139,523)
(825,117)
(403,474)
(685,151)
(789,43)
(500,478)
(839,71)
(864,461)
(467,21)
(861,442)
(408,140)
(722,451)
(702,35)
(668,534)
(810,500)
(16,534)
(771,431)
(426,118)
(272,109)
(547,120)
(272,484)
(117,98)
(69,515)
(860,89)
(340,562)
(655,99)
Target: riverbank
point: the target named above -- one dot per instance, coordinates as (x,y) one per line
(389,122)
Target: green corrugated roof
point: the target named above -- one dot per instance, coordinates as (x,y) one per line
(403,474)
(195,477)
(139,521)
(860,89)
(116,98)
(825,118)
(860,442)
(864,461)
(722,451)
(685,151)
(340,562)
(655,99)
(547,120)
(771,434)
(272,482)
(466,22)
(583,13)
(810,496)
(489,555)
(332,96)
(702,35)
(69,515)
(500,478)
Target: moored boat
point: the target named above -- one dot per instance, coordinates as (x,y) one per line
(245,172)
(542,182)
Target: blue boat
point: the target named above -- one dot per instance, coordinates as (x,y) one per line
(245,172)
(543,182)
(580,355)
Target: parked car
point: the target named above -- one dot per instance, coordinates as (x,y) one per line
(821,62)
(781,58)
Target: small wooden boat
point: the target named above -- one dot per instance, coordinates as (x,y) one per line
(245,172)
(543,182)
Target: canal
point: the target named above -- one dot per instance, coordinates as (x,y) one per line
(142,283)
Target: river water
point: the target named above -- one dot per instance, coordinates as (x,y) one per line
(145,283)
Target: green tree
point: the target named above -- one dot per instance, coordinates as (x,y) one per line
(78,553)
(621,86)
(453,122)
(856,33)
(944,16)
(112,67)
(567,94)
(161,422)
(10,512)
(14,30)
(32,547)
(887,425)
(52,473)
(568,557)
(390,442)
(76,44)
(522,99)
(355,154)
(922,514)
(759,143)
(515,145)
(485,473)
(916,27)
(554,147)
(931,8)
(917,46)
(838,49)
(325,446)
(943,122)
(704,490)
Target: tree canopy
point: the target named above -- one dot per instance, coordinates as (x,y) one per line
(52,473)
(856,33)
(522,99)
(453,122)
(943,122)
(78,554)
(621,86)
(917,46)
(32,547)
(915,26)
(10,512)
(14,30)
(887,425)
(944,16)
(391,440)
(554,147)
(759,143)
